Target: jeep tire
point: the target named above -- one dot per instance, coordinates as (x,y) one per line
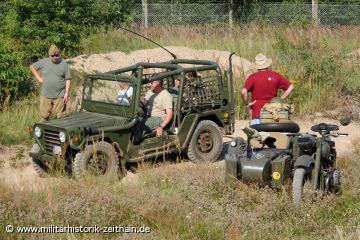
(40,168)
(206,142)
(99,159)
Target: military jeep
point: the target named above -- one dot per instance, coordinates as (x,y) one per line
(103,137)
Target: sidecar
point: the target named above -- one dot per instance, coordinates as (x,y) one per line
(259,160)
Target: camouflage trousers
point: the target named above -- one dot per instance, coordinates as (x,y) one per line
(49,105)
(146,125)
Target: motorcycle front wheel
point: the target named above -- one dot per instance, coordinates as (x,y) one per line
(298,185)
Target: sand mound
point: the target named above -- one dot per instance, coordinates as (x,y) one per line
(114,60)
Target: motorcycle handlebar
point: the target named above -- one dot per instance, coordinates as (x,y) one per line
(339,134)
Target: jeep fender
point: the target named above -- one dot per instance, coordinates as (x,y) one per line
(304,161)
(187,129)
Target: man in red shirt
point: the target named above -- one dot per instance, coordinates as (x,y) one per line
(263,85)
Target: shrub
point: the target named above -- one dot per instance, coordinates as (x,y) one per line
(41,23)
(13,75)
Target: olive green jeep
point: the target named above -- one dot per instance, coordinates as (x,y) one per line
(102,138)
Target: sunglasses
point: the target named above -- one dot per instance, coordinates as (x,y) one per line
(56,55)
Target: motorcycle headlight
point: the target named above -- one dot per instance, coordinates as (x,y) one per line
(233,143)
(37,132)
(62,137)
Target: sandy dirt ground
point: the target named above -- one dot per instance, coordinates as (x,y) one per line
(16,169)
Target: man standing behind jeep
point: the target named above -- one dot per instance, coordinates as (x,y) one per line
(263,85)
(160,107)
(55,78)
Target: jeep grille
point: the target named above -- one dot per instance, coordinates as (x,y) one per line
(51,140)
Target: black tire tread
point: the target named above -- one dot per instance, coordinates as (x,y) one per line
(39,168)
(290,127)
(298,185)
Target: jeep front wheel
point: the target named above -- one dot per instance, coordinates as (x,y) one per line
(40,168)
(99,159)
(206,142)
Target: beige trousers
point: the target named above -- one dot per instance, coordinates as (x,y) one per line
(49,105)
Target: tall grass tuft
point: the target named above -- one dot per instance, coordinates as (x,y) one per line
(17,118)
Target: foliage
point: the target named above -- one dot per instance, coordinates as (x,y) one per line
(13,75)
(63,22)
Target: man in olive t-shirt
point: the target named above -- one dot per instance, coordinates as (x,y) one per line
(55,78)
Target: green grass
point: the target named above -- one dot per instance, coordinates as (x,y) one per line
(185,201)
(16,119)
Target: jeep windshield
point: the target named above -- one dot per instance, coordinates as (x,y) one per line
(109,94)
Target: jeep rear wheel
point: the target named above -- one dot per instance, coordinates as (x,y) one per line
(206,142)
(97,160)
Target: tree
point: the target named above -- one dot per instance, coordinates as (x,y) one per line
(13,75)
(63,22)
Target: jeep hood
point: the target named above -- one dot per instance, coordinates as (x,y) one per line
(87,119)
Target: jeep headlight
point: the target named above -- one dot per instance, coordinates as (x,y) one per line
(37,132)
(62,137)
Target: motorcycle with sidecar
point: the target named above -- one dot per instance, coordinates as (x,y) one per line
(307,160)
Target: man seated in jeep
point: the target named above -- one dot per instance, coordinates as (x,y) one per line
(174,91)
(125,93)
(159,103)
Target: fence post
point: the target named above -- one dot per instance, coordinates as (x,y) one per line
(314,7)
(144,13)
(231,5)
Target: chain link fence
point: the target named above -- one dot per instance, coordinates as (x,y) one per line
(182,14)
(223,13)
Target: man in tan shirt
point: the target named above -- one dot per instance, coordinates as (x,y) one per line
(160,107)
